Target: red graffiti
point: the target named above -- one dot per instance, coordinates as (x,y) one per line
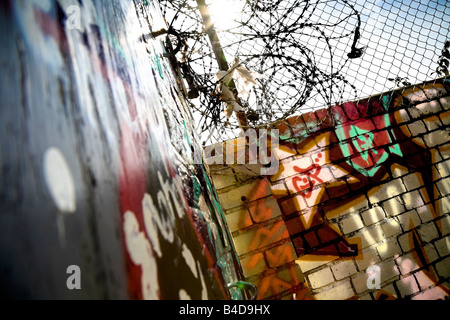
(310,179)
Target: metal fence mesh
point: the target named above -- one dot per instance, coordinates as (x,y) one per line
(307,54)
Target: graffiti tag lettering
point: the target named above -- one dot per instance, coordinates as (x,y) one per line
(310,179)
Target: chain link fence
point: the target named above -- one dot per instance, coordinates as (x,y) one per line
(289,57)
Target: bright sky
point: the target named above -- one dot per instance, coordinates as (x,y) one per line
(402,39)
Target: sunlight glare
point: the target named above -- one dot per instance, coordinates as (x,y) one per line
(224,13)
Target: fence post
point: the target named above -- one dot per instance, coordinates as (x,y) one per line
(220,57)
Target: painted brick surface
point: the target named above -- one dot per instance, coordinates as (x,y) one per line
(368,187)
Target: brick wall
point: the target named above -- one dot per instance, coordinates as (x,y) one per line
(361,194)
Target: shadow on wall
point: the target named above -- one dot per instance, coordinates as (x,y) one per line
(360,186)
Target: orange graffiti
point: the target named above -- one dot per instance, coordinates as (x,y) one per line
(274,285)
(282,255)
(266,236)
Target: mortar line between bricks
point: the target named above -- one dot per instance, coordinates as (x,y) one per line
(265,248)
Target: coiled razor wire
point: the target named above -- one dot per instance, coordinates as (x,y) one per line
(312,54)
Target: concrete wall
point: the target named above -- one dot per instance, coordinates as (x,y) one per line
(97,160)
(358,207)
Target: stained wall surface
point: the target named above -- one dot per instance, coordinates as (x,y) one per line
(358,205)
(97,160)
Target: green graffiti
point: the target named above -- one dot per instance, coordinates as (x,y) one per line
(215,221)
(367,145)
(160,67)
(197,189)
(367,138)
(114,43)
(364,154)
(386,101)
(396,147)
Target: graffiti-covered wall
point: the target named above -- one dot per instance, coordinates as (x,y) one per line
(100,196)
(358,206)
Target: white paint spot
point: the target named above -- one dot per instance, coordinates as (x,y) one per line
(190,261)
(140,252)
(59,181)
(184,295)
(204,291)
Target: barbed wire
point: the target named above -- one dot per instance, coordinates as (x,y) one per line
(311,54)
